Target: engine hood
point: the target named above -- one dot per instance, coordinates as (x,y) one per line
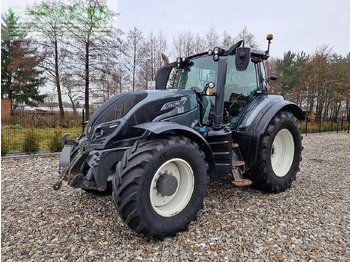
(124,111)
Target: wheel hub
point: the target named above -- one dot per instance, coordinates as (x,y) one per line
(171,187)
(282,152)
(167,184)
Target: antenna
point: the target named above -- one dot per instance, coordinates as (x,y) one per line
(269,37)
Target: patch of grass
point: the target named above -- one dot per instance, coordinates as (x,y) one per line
(14,138)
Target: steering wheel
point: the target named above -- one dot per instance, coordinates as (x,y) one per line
(235,107)
(196,89)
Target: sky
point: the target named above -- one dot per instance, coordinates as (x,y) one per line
(298,25)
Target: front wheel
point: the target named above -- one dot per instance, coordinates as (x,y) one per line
(279,154)
(160,186)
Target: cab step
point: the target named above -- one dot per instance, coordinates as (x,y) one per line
(235,145)
(242,182)
(238,163)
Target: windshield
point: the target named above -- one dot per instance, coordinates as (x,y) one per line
(194,76)
(197,73)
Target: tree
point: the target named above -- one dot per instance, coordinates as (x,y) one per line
(292,68)
(318,80)
(227,40)
(48,19)
(74,88)
(95,41)
(184,44)
(134,53)
(212,38)
(249,38)
(20,76)
(151,59)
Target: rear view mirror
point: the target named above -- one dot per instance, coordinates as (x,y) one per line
(242,58)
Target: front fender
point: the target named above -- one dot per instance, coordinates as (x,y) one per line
(164,127)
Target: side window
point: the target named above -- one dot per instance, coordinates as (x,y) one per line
(240,88)
(263,76)
(240,82)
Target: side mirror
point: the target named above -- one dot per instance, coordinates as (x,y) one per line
(242,58)
(273,78)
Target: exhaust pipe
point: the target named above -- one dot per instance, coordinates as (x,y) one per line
(165,59)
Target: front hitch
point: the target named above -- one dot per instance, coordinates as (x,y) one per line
(67,163)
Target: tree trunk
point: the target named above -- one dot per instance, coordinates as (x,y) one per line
(73,105)
(57,80)
(87,106)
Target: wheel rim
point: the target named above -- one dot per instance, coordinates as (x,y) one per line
(168,206)
(282,152)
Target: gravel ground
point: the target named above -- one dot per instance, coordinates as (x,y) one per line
(309,222)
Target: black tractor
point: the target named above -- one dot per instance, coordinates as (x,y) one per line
(210,117)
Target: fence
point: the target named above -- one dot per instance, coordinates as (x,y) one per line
(337,125)
(45,126)
(42,125)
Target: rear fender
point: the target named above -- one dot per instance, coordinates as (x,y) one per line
(256,121)
(264,117)
(166,127)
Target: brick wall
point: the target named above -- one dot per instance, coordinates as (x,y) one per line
(6,108)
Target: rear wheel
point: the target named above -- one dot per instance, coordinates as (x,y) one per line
(160,186)
(279,154)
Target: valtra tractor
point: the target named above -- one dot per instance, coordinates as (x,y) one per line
(210,117)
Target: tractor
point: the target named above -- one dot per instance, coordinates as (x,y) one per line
(209,117)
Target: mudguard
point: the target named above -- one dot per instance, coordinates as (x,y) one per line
(100,162)
(255,121)
(163,127)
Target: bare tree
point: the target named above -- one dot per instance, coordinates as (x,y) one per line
(134,52)
(95,41)
(212,37)
(48,19)
(74,88)
(199,44)
(150,58)
(227,40)
(248,37)
(183,44)
(161,48)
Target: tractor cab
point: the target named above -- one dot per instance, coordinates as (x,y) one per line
(223,94)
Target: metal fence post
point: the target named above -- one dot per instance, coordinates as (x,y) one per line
(83,120)
(307,120)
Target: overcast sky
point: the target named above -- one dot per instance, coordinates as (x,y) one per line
(298,25)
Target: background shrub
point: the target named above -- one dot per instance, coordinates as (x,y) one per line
(4,147)
(31,142)
(56,143)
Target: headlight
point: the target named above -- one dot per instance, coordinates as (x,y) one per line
(216,50)
(105,129)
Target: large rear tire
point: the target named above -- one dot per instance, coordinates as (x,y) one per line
(279,154)
(160,185)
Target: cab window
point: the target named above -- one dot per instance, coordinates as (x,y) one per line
(241,87)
